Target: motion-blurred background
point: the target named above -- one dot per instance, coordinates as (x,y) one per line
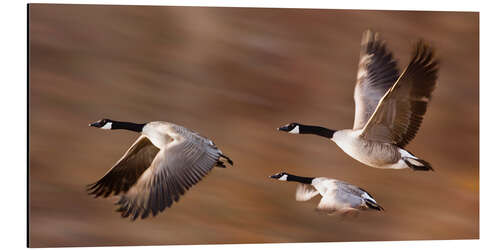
(235,75)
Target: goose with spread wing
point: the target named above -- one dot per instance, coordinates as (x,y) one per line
(162,164)
(389,107)
(337,196)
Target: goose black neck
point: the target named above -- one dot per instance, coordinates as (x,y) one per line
(316,130)
(127,125)
(305,180)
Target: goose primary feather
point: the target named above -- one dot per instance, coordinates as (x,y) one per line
(160,166)
(389,107)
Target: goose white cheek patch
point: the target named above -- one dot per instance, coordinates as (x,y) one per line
(283,178)
(106,126)
(294,130)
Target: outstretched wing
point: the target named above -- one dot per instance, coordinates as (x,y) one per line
(328,203)
(400,112)
(377,72)
(176,168)
(127,170)
(305,192)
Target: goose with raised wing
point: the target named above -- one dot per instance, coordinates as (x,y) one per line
(389,107)
(162,164)
(337,196)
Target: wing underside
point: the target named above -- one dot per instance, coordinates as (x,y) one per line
(400,112)
(377,72)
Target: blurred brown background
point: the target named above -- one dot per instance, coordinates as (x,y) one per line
(235,75)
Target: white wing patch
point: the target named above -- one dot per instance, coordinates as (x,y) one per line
(305,192)
(328,203)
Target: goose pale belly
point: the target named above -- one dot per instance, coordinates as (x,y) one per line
(373,154)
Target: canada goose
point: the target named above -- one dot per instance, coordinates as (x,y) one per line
(389,107)
(338,196)
(161,165)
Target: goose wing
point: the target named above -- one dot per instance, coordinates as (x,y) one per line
(350,191)
(339,200)
(328,203)
(305,192)
(127,170)
(399,113)
(377,72)
(176,168)
(341,195)
(357,196)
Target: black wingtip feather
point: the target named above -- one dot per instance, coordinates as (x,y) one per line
(93,189)
(226,158)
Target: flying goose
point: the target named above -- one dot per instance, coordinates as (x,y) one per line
(161,165)
(337,196)
(389,107)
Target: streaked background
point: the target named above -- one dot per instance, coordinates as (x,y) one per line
(235,74)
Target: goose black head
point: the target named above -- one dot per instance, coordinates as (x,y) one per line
(102,124)
(283,176)
(292,128)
